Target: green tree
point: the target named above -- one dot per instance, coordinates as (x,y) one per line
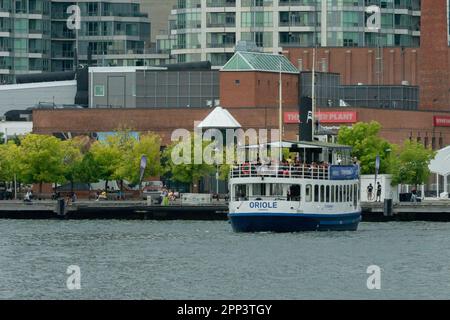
(410,165)
(148,145)
(8,161)
(108,158)
(187,171)
(41,159)
(366,143)
(87,170)
(73,157)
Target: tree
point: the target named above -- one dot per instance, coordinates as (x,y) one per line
(410,166)
(149,145)
(73,157)
(8,161)
(41,159)
(87,170)
(108,157)
(187,171)
(363,138)
(2,140)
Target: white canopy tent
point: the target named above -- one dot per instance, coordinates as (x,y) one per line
(219,118)
(440,166)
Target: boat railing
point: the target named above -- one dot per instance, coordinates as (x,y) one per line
(301,171)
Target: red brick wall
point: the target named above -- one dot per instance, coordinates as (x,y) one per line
(434,56)
(257,89)
(161,121)
(397,125)
(358,65)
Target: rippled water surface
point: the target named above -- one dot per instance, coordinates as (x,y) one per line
(206,260)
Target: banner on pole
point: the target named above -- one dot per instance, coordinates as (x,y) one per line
(143,166)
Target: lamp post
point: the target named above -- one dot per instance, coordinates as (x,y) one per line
(217,171)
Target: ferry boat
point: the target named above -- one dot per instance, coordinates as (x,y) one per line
(320,195)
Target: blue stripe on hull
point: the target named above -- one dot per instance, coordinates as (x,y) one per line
(279,222)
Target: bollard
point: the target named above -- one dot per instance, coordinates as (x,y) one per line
(388,207)
(60,208)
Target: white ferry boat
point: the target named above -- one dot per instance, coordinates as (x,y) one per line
(297,196)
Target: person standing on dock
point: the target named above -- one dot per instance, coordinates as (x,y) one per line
(378,199)
(370,192)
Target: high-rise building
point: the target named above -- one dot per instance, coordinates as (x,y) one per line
(34,36)
(24,37)
(209,29)
(158,11)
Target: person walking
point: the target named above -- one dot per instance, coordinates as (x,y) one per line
(378,199)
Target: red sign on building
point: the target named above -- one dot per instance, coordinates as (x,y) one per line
(324,117)
(291,117)
(442,121)
(337,117)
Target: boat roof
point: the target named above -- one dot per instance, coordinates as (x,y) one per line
(319,144)
(303,145)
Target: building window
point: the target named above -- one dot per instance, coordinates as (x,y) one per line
(237,82)
(99,91)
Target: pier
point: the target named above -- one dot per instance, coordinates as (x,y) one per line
(139,210)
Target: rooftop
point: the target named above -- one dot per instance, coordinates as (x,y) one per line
(257,61)
(219,118)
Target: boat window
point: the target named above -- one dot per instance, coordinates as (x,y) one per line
(348,193)
(332,193)
(322,193)
(340,193)
(259,189)
(327,194)
(316,193)
(344,194)
(240,192)
(294,192)
(276,189)
(355,195)
(308,193)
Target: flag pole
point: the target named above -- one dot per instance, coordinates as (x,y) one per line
(280,115)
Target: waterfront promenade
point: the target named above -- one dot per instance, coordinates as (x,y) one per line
(217,210)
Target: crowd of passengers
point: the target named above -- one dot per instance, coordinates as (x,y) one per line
(286,166)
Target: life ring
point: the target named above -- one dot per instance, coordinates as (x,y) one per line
(244,170)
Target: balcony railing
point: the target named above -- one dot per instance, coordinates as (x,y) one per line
(301,171)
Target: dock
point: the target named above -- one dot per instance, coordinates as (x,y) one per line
(132,210)
(140,210)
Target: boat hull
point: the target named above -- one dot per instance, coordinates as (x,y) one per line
(290,222)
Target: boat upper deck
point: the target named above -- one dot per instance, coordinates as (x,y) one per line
(296,171)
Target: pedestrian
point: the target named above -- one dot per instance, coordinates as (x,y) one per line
(28,196)
(9,193)
(378,199)
(414,195)
(370,192)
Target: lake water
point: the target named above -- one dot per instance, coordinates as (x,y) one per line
(206,260)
